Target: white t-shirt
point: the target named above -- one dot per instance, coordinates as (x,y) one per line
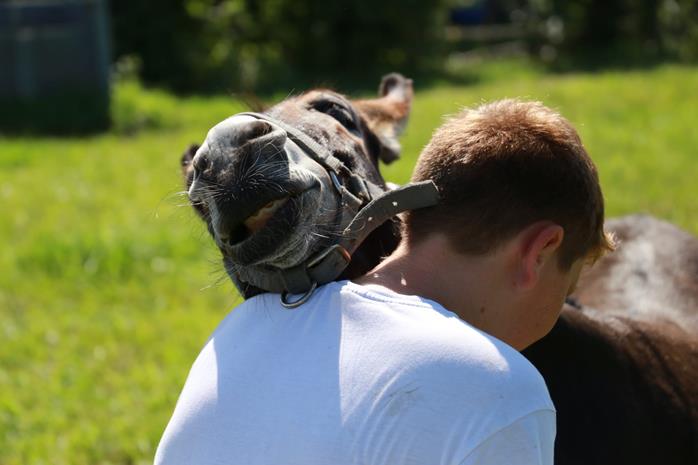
(358,375)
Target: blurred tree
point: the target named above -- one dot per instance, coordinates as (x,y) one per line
(243,44)
(678,28)
(640,28)
(161,36)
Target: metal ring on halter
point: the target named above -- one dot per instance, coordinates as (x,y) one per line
(297,303)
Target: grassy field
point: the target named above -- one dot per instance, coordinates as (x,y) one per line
(109,284)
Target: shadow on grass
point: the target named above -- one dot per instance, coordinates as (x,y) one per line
(68,114)
(362,83)
(600,59)
(78,115)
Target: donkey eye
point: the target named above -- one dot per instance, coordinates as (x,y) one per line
(343,116)
(338,112)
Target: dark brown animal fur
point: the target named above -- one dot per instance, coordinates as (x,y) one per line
(653,274)
(625,390)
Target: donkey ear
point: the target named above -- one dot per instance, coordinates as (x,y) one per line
(186,163)
(386,116)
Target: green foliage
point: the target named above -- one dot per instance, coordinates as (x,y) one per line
(678,28)
(245,44)
(111,285)
(163,37)
(632,30)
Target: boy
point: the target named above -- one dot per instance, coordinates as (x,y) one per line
(417,362)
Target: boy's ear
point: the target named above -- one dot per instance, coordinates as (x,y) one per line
(538,244)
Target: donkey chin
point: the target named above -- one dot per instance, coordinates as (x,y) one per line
(283,232)
(289,235)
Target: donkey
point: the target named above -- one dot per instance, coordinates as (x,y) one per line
(625,388)
(622,368)
(625,385)
(267,204)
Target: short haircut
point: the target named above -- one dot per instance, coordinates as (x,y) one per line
(503,166)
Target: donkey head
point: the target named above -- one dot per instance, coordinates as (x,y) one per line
(265,200)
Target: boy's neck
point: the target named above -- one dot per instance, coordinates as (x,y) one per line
(476,288)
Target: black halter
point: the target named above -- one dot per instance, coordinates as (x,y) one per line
(362,206)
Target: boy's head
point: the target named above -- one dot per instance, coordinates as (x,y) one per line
(502,167)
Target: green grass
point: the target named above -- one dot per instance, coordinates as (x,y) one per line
(109,286)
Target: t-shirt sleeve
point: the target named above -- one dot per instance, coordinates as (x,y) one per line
(529,440)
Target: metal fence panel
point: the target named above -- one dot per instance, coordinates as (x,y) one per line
(52,49)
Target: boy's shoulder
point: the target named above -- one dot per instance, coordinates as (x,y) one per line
(434,370)
(400,334)
(444,350)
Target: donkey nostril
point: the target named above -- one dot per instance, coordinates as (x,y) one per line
(253,130)
(236,235)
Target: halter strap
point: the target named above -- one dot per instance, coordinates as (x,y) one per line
(359,192)
(329,263)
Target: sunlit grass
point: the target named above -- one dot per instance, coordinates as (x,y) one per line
(110,285)
(639,127)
